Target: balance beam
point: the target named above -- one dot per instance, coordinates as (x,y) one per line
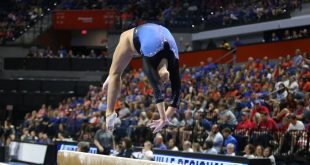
(80,158)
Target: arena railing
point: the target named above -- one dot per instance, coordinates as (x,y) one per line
(231,55)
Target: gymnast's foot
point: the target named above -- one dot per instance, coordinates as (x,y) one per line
(164,75)
(110,121)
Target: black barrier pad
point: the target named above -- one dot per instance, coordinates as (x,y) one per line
(59,64)
(8,85)
(108,62)
(34,100)
(54,99)
(9,98)
(83,87)
(29,85)
(17,97)
(88,64)
(66,64)
(56,86)
(36,64)
(2,154)
(14,63)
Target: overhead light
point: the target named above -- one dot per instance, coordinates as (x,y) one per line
(55,3)
(193,26)
(48,9)
(202,19)
(28,26)
(13,38)
(42,15)
(212,13)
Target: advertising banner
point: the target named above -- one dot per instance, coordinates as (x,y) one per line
(84,19)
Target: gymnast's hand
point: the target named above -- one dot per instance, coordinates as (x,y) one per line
(159,124)
(105,85)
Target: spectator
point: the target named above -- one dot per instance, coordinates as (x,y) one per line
(305,32)
(295,125)
(294,86)
(147,151)
(60,137)
(43,138)
(226,117)
(92,54)
(274,37)
(245,123)
(62,52)
(229,139)
(216,137)
(282,92)
(237,42)
(268,154)
(126,148)
(187,146)
(267,123)
(188,47)
(298,58)
(295,35)
(230,150)
(104,140)
(159,142)
(226,45)
(171,145)
(196,147)
(287,35)
(9,129)
(83,147)
(33,136)
(249,151)
(258,108)
(209,147)
(259,151)
(26,136)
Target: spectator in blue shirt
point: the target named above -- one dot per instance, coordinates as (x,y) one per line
(159,142)
(229,138)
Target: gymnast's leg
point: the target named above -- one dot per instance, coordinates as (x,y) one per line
(173,72)
(121,58)
(154,79)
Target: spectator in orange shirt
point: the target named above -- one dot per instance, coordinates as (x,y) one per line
(215,96)
(305,84)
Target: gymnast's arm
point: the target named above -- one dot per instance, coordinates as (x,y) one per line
(105,84)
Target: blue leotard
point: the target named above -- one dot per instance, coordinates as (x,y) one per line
(152,38)
(154,43)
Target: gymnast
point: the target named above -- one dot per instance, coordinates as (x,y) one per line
(160,62)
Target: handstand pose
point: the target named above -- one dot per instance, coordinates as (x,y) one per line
(160,62)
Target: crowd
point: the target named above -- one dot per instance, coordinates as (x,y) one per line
(255,109)
(62,52)
(17,16)
(288,35)
(183,13)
